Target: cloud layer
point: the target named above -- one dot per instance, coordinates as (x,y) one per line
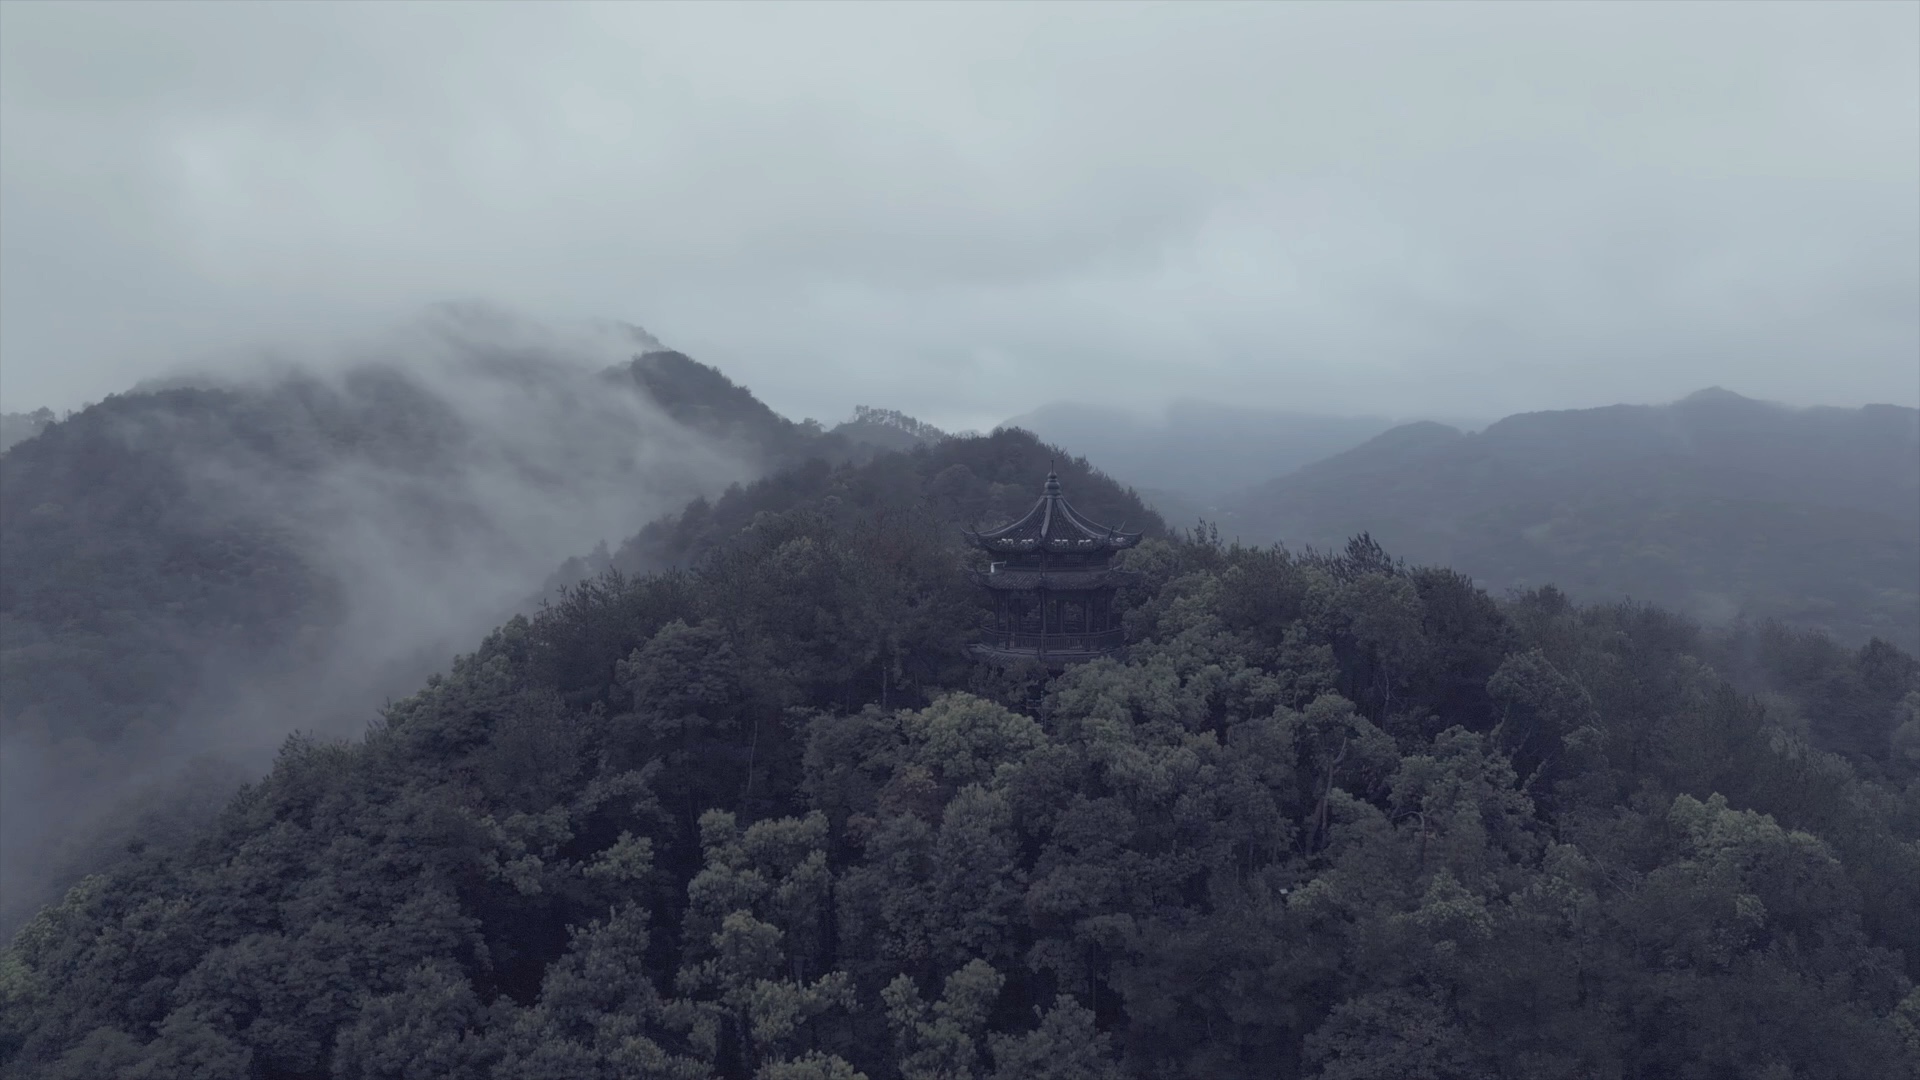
(961,211)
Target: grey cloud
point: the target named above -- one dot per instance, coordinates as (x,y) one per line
(1400,208)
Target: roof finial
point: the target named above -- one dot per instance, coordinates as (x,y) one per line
(1053,479)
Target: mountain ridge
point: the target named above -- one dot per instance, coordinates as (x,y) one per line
(1776,488)
(1197,450)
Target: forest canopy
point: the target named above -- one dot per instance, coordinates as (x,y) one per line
(743,806)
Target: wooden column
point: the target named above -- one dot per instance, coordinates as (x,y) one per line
(1043,621)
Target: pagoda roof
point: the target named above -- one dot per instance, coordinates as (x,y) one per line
(1053,525)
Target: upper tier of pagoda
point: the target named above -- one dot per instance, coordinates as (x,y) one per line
(1053,526)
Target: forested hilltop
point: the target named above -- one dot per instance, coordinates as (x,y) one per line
(1716,506)
(19,427)
(1334,816)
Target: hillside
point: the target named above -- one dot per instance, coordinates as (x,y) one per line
(203,565)
(759,818)
(953,483)
(19,427)
(888,429)
(958,482)
(1716,505)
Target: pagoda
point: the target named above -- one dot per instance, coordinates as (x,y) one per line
(1052,584)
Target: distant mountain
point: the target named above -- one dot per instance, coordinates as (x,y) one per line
(704,400)
(1716,505)
(888,429)
(1188,457)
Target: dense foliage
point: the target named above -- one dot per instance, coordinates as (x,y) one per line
(890,428)
(1715,506)
(1331,817)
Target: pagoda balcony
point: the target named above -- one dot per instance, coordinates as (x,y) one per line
(1065,579)
(1057,641)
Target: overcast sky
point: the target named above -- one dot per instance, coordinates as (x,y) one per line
(963,211)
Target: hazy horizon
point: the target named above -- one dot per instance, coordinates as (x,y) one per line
(1410,210)
(342,347)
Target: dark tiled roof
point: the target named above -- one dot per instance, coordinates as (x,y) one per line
(1053,525)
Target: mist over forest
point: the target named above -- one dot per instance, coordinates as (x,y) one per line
(959,542)
(212,578)
(198,567)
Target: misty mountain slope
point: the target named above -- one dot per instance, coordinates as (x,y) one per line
(704,399)
(204,567)
(871,436)
(19,427)
(890,429)
(232,517)
(1196,452)
(1716,505)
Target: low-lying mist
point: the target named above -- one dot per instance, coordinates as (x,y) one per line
(285,547)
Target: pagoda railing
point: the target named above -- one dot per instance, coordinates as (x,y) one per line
(1056,579)
(1096,641)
